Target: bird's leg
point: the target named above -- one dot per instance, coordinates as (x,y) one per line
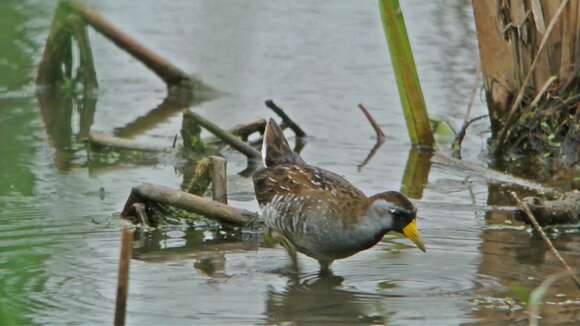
(290,249)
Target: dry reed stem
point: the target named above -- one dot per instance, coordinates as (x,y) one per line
(511,116)
(123,276)
(374,124)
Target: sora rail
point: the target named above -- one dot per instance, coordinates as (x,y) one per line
(319,213)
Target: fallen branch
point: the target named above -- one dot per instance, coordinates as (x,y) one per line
(103,140)
(548,212)
(547,241)
(286,121)
(252,154)
(123,276)
(147,193)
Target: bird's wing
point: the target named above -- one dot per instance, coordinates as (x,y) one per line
(292,189)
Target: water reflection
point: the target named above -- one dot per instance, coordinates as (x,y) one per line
(317,300)
(60,243)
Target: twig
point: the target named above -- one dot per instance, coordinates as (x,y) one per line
(123,276)
(174,141)
(543,90)
(374,124)
(538,228)
(372,153)
(243,131)
(378,131)
(233,141)
(219,190)
(511,116)
(286,119)
(456,146)
(162,195)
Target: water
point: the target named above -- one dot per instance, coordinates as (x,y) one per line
(59,239)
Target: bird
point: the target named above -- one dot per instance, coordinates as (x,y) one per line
(319,213)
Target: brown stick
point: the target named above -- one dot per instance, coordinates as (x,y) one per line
(378,131)
(167,196)
(374,124)
(123,276)
(286,119)
(243,131)
(122,143)
(219,190)
(230,139)
(163,68)
(547,241)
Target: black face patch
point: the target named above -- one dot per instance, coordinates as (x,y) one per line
(403,211)
(402,218)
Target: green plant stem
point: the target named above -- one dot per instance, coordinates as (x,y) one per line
(410,92)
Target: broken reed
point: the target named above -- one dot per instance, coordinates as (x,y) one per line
(410,92)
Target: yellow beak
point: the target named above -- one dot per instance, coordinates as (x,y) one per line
(412,233)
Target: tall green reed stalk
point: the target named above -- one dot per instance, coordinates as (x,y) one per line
(410,92)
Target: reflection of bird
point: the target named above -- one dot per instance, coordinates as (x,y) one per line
(320,214)
(321,301)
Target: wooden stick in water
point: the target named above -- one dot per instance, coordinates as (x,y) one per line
(219,190)
(374,124)
(540,230)
(166,196)
(227,137)
(286,119)
(123,276)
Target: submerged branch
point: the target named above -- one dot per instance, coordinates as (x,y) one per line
(540,230)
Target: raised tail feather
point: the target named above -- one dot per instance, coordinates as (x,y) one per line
(275,148)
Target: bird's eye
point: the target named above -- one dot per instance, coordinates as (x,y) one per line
(392,211)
